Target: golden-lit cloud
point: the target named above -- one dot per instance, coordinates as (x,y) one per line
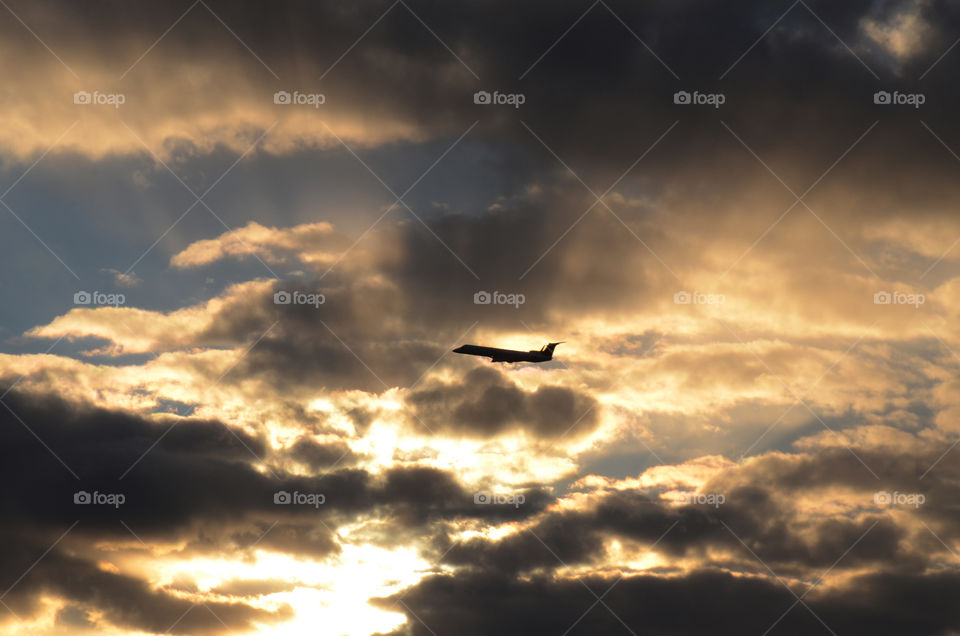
(255,239)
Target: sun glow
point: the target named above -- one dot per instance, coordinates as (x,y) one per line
(328,596)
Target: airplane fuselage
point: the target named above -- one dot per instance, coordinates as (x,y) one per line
(508,355)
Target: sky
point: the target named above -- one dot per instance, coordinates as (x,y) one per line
(239,242)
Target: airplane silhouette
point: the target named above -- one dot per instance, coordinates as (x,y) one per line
(510,355)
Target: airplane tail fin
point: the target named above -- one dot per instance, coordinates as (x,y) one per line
(548,349)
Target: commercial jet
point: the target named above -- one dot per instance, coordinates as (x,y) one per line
(510,355)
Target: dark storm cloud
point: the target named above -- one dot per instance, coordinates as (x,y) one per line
(198,486)
(896,583)
(703,602)
(486,402)
(926,470)
(176,484)
(195,486)
(598,97)
(772,529)
(416,497)
(510,248)
(124,601)
(761,516)
(318,456)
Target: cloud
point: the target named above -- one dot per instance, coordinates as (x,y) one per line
(134,330)
(255,239)
(798,398)
(706,601)
(486,403)
(124,280)
(118,600)
(903,34)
